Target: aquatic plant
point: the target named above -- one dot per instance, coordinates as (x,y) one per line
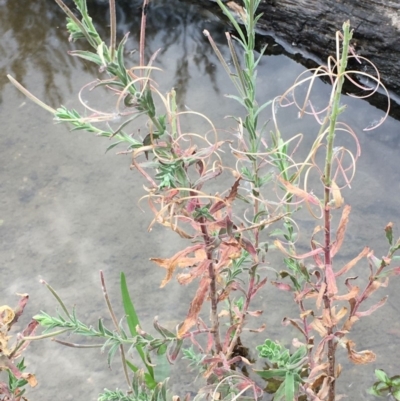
(233,212)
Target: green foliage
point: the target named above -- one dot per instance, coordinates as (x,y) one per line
(140,391)
(287,368)
(385,386)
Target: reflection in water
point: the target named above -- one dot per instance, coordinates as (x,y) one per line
(34,34)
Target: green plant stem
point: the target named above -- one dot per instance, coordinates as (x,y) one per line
(113,29)
(241,323)
(117,328)
(334,112)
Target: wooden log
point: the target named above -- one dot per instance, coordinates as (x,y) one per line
(311,25)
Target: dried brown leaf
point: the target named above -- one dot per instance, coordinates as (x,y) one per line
(338,316)
(353,262)
(351,294)
(361,357)
(330,280)
(310,198)
(341,230)
(349,323)
(337,196)
(172,263)
(195,307)
(6,315)
(186,278)
(318,326)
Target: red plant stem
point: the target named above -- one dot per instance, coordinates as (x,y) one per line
(240,325)
(326,297)
(213,286)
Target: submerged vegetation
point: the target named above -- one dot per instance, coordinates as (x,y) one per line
(235,198)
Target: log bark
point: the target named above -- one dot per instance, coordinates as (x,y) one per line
(311,25)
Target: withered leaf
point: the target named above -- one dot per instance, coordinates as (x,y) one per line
(195,306)
(227,200)
(6,315)
(353,262)
(373,308)
(317,325)
(361,357)
(310,198)
(330,280)
(351,294)
(172,263)
(341,230)
(337,196)
(349,323)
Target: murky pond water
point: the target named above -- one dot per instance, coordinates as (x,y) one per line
(68,210)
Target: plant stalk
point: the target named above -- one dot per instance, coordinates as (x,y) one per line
(213,287)
(334,112)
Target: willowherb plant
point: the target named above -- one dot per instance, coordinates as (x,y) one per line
(224,210)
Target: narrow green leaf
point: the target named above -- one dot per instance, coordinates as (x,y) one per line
(269,374)
(112,352)
(133,320)
(289,386)
(113,145)
(92,57)
(131,366)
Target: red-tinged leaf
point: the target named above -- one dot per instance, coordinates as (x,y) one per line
(186,278)
(324,388)
(259,286)
(372,308)
(20,307)
(230,250)
(341,231)
(259,330)
(195,307)
(350,295)
(372,287)
(282,286)
(330,280)
(317,370)
(249,247)
(310,198)
(295,323)
(316,251)
(255,313)
(359,358)
(227,200)
(353,262)
(172,263)
(207,176)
